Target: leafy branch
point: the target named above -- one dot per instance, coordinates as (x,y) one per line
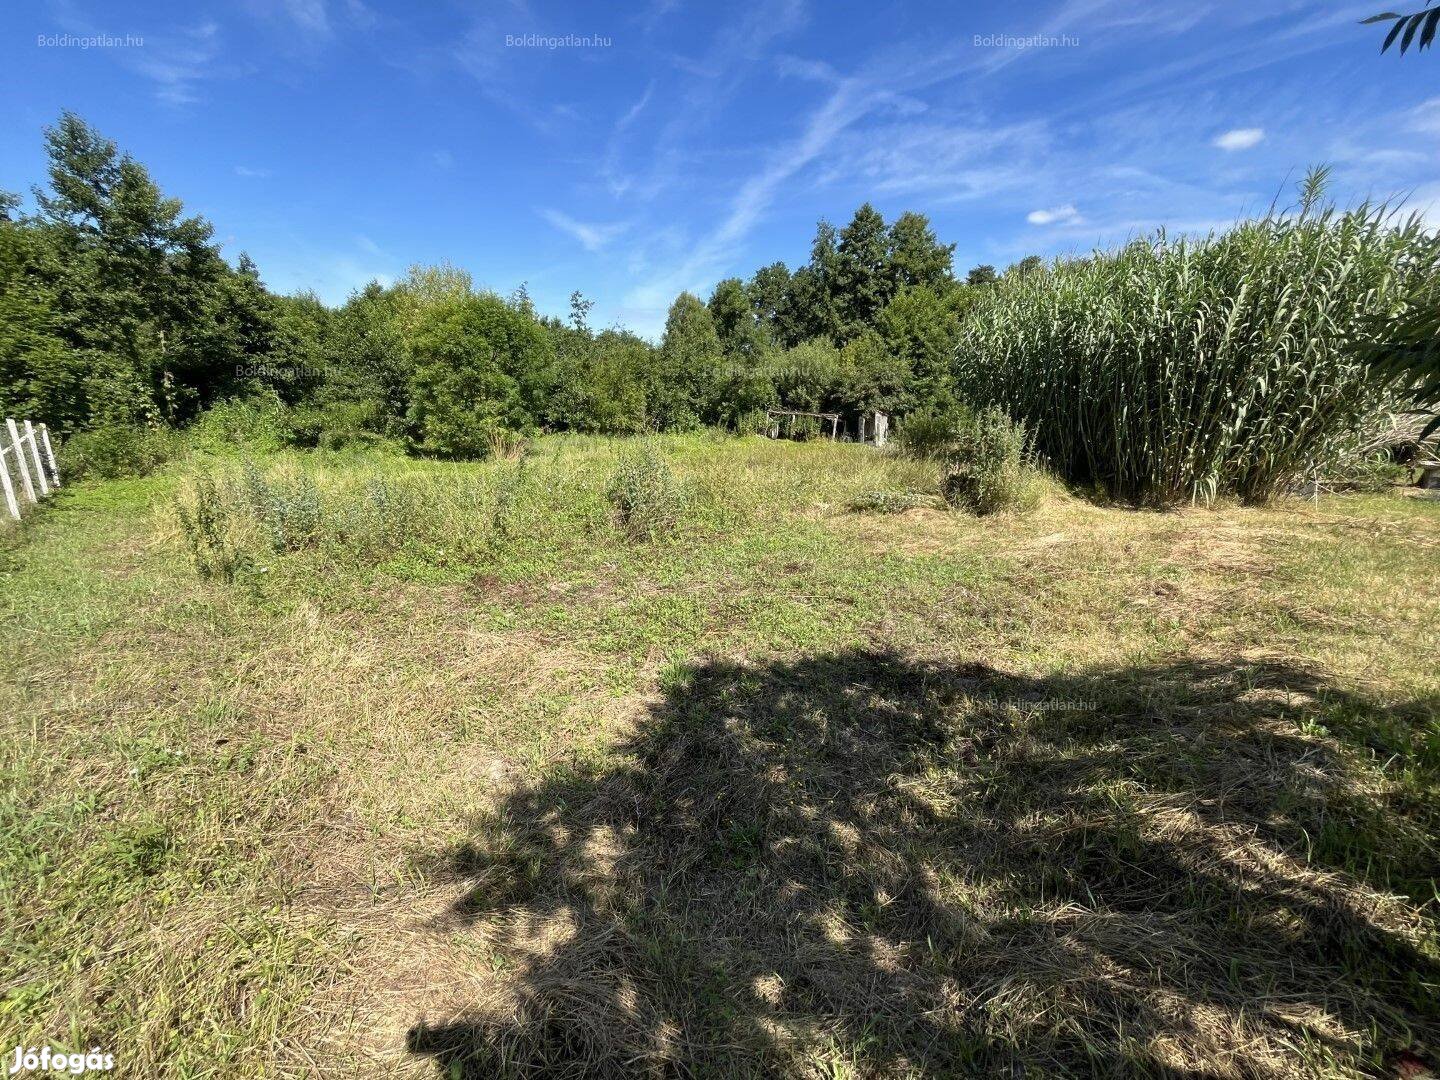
(1406,27)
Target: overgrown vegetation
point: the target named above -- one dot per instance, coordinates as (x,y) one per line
(448,775)
(647,498)
(1178,369)
(1170,370)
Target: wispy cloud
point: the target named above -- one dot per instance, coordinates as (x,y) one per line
(175,61)
(1425,117)
(632,113)
(251,173)
(1239,139)
(1061,215)
(310,16)
(592,238)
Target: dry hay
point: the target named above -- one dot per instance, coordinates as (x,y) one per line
(862,862)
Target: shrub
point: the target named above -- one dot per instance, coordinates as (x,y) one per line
(648,500)
(1184,369)
(108,453)
(480,368)
(287,510)
(986,465)
(258,424)
(752,422)
(928,434)
(205,522)
(800,428)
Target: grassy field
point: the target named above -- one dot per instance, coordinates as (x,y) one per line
(440,772)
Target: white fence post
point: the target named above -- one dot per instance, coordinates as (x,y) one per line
(50,455)
(35,454)
(17,451)
(10,502)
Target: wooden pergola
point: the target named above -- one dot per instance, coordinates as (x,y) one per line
(832,418)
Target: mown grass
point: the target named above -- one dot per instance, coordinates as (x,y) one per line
(478,780)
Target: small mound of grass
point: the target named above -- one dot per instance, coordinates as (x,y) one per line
(894,502)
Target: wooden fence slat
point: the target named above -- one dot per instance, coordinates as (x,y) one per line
(50,455)
(35,455)
(10,502)
(17,452)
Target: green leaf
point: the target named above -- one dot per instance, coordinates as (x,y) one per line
(1431,21)
(1394,33)
(1410,31)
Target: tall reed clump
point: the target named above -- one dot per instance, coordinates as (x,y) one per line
(1178,369)
(648,499)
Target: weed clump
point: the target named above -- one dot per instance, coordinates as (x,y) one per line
(987,465)
(647,498)
(894,502)
(288,512)
(204,518)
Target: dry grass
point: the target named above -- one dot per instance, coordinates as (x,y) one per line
(797,791)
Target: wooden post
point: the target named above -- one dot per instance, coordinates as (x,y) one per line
(35,454)
(17,451)
(50,455)
(10,502)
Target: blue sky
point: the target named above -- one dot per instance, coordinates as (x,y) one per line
(342,140)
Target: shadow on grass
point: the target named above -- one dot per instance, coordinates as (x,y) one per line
(859,864)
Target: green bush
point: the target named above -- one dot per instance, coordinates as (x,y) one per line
(108,453)
(752,422)
(1177,369)
(257,424)
(286,509)
(986,465)
(481,368)
(929,433)
(648,499)
(206,520)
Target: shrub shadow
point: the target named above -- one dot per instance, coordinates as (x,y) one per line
(862,862)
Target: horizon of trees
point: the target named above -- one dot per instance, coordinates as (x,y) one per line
(118,309)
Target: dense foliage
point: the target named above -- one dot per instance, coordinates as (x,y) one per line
(1166,370)
(1179,369)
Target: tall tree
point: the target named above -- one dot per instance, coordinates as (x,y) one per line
(984,274)
(769,294)
(812,311)
(921,328)
(734,320)
(916,257)
(863,284)
(681,386)
(140,282)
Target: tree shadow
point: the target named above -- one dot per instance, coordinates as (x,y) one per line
(862,862)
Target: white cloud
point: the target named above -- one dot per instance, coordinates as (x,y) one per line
(1060,215)
(309,15)
(1425,201)
(1425,117)
(251,173)
(1239,139)
(443,159)
(591,237)
(636,109)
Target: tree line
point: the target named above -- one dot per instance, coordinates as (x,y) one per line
(117,309)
